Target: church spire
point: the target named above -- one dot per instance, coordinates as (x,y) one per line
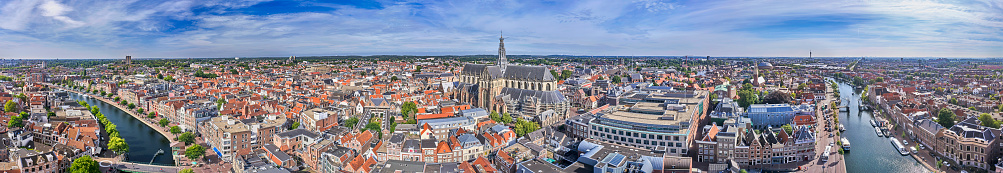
(502,62)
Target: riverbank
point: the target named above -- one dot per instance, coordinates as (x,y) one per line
(163,131)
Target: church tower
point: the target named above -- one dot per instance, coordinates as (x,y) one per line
(502,62)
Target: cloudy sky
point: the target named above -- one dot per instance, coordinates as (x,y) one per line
(253,28)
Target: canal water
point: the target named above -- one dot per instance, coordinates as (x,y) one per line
(869,153)
(143,141)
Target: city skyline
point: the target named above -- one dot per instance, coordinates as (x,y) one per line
(182,29)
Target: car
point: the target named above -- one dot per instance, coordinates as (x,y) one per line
(904,142)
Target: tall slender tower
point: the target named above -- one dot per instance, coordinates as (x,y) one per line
(502,62)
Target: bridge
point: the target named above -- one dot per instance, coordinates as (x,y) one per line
(118,164)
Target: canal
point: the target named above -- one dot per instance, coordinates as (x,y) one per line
(869,153)
(143,141)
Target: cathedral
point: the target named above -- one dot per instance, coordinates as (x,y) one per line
(527,91)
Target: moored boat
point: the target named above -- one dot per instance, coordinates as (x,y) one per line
(846,144)
(899,147)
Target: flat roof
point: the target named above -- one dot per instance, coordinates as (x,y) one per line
(633,114)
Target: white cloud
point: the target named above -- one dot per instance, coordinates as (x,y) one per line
(590,27)
(56,10)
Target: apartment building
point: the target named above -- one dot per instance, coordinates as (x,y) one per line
(228,137)
(969,144)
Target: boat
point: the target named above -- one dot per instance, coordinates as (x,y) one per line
(899,147)
(874,124)
(842,128)
(878,131)
(846,144)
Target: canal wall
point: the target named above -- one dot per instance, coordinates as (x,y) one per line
(134,114)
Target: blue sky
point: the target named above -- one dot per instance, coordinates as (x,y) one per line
(253,28)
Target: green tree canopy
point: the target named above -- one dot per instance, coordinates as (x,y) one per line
(523,127)
(10,106)
(175,130)
(506,118)
(84,164)
(945,117)
(988,121)
(350,122)
(164,122)
(296,124)
(118,145)
(15,121)
(494,116)
(408,109)
(187,170)
(194,152)
(188,138)
(788,128)
(747,97)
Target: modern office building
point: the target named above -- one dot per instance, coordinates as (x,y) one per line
(657,120)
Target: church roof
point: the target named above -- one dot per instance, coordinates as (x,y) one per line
(544,96)
(472,69)
(533,73)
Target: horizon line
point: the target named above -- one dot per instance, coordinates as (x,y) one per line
(576,56)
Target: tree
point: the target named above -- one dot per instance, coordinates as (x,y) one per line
(169,78)
(777,97)
(10,106)
(15,121)
(417,69)
(118,98)
(187,138)
(394,78)
(351,122)
(565,74)
(408,109)
(163,122)
(523,127)
(118,145)
(555,74)
(175,130)
(194,152)
(234,71)
(220,102)
(132,106)
(494,116)
(84,164)
(295,125)
(788,128)
(506,118)
(123,102)
(616,79)
(945,117)
(151,115)
(747,97)
(160,76)
(187,170)
(50,114)
(746,86)
(988,121)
